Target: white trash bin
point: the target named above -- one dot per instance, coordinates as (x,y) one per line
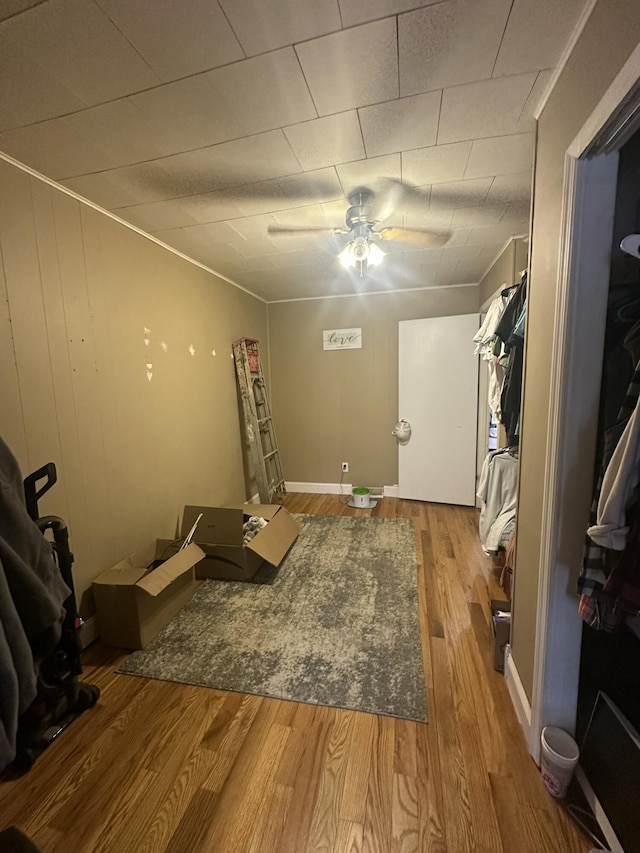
(558,758)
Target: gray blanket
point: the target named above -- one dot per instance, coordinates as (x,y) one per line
(32,594)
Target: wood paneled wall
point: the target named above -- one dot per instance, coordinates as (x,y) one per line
(115,363)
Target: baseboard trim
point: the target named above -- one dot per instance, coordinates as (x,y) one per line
(336,489)
(88,632)
(320,488)
(518,695)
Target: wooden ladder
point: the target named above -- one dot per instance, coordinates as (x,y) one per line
(259,424)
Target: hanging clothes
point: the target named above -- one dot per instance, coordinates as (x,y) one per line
(498,491)
(485,340)
(609,584)
(510,331)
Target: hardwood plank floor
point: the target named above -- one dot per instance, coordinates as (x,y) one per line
(157,767)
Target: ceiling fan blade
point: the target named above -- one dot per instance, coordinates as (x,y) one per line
(391,195)
(420,236)
(289,189)
(319,229)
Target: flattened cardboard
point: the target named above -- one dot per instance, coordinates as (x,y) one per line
(220,535)
(134,602)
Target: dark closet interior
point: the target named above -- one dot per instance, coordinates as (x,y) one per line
(610,661)
(610,652)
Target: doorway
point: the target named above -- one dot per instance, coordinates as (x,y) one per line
(591,167)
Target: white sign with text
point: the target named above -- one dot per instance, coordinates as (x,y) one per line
(342,339)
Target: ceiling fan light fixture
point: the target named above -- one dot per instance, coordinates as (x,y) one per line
(361,251)
(376,255)
(346,257)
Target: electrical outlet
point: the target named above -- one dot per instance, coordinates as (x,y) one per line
(345,467)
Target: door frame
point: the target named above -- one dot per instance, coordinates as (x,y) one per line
(579,323)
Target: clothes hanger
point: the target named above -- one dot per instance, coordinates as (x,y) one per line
(631,245)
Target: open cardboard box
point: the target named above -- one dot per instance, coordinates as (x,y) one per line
(219,533)
(134,600)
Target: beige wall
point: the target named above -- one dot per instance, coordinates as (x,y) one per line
(505,270)
(335,406)
(610,35)
(77,291)
(500,274)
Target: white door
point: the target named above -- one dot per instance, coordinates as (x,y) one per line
(439,397)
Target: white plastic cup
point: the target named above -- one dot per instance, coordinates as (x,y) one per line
(558,758)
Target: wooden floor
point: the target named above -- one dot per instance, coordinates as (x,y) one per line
(160,767)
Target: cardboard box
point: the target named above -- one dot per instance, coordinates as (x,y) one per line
(135,600)
(501,619)
(220,535)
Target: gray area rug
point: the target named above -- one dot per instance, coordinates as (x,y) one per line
(337,626)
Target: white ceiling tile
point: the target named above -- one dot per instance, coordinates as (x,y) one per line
(254,158)
(210,207)
(446,277)
(491,234)
(102,64)
(352,68)
(55,149)
(313,215)
(421,259)
(401,124)
(368,172)
(510,188)
(320,185)
(455,254)
(101,190)
(439,220)
(158,216)
(252,227)
(449,43)
(474,217)
(500,155)
(29,92)
(191,110)
(176,37)
(263,25)
(265,92)
(296,259)
(257,247)
(436,164)
(529,43)
(360,11)
(488,108)
(467,193)
(304,242)
(263,197)
(120,128)
(336,212)
(211,232)
(459,237)
(516,216)
(156,180)
(326,141)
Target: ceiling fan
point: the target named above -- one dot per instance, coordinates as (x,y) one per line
(367,209)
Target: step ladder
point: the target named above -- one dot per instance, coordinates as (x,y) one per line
(259,424)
